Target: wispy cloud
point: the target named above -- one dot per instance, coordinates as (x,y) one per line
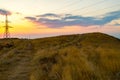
(4,12)
(75,20)
(117,24)
(48,15)
(31,18)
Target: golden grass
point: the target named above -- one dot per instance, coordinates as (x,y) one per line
(93,56)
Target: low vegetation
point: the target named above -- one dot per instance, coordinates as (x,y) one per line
(92,56)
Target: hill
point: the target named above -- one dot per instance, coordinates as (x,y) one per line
(92,56)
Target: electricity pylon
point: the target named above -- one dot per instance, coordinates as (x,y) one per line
(6,33)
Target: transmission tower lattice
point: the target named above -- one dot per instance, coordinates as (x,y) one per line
(6,33)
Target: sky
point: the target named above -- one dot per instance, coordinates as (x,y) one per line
(46,18)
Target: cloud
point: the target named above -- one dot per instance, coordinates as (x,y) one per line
(18,13)
(110,17)
(117,24)
(75,20)
(31,18)
(4,12)
(48,15)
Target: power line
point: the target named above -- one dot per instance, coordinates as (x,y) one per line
(101,9)
(91,5)
(66,6)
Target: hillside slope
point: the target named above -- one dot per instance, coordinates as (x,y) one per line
(92,56)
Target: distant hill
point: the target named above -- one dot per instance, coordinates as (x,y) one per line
(91,56)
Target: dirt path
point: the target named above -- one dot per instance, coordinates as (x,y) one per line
(22,70)
(19,66)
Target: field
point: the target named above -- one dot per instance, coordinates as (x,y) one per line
(91,56)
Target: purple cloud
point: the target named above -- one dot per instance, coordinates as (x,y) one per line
(31,18)
(4,12)
(48,15)
(76,20)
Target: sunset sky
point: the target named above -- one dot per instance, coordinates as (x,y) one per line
(45,18)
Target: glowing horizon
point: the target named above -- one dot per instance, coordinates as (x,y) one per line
(50,18)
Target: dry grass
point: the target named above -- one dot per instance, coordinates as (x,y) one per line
(93,56)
